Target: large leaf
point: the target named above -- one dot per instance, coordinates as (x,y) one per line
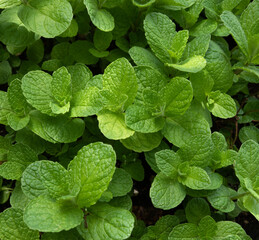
(45,17)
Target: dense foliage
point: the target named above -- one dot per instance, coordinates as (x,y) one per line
(96,93)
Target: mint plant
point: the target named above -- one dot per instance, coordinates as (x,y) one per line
(113,112)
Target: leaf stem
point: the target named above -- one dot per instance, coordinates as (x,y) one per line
(240,195)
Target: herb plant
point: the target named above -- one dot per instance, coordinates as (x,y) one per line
(99,96)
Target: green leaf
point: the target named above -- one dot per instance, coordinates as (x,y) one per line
(45,178)
(18,158)
(167,161)
(197,47)
(207,227)
(16,97)
(9,3)
(86,102)
(71,31)
(36,86)
(35,51)
(113,126)
(178,95)
(142,142)
(196,209)
(102,40)
(159,31)
(247,165)
(45,17)
(178,44)
(119,79)
(203,27)
(17,122)
(13,226)
(251,204)
(144,57)
(249,132)
(18,198)
(101,18)
(221,199)
(61,86)
(221,105)
(193,177)
(5,108)
(56,129)
(80,77)
(230,229)
(12,30)
(143,119)
(79,50)
(121,183)
(109,223)
(92,170)
(193,64)
(179,130)
(186,231)
(219,67)
(166,193)
(47,215)
(236,30)
(5,71)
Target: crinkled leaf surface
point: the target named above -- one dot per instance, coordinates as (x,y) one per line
(107,222)
(13,226)
(166,193)
(92,169)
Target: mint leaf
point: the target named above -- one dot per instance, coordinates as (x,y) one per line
(45,178)
(56,129)
(221,199)
(159,31)
(13,226)
(121,183)
(101,18)
(86,102)
(167,161)
(221,105)
(144,57)
(107,222)
(12,31)
(196,209)
(5,108)
(61,86)
(207,227)
(143,119)
(45,17)
(193,177)
(119,80)
(47,215)
(113,126)
(9,3)
(166,193)
(249,132)
(92,169)
(36,86)
(247,164)
(184,231)
(18,198)
(193,64)
(142,142)
(18,158)
(236,30)
(178,95)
